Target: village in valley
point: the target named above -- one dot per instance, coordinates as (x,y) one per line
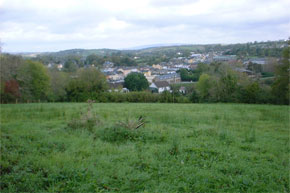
(161,76)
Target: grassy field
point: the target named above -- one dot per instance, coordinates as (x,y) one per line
(61,147)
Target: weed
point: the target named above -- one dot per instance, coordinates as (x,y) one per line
(132,124)
(124,130)
(174,149)
(88,120)
(250,135)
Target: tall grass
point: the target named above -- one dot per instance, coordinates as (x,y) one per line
(182,148)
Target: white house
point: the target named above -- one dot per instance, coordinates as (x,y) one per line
(160,86)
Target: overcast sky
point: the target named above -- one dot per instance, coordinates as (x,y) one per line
(52,25)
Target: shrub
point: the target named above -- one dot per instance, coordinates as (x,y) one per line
(119,134)
(88,120)
(123,131)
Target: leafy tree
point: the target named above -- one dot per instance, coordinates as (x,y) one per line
(187,75)
(70,66)
(251,94)
(193,97)
(12,87)
(89,83)
(34,81)
(228,86)
(280,87)
(9,65)
(94,59)
(9,91)
(58,83)
(203,87)
(257,68)
(136,82)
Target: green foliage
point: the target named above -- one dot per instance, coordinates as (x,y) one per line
(187,75)
(228,84)
(89,120)
(58,82)
(281,85)
(34,81)
(9,65)
(94,59)
(70,66)
(183,148)
(257,68)
(88,84)
(136,82)
(251,94)
(203,86)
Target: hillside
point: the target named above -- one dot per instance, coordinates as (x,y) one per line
(182,148)
(165,49)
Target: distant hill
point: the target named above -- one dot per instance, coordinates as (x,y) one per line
(154,46)
(256,49)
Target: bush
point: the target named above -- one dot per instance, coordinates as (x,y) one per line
(88,120)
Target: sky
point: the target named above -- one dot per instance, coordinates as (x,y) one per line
(53,25)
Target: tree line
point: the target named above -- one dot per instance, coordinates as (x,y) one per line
(31,81)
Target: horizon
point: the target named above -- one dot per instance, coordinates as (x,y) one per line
(140,47)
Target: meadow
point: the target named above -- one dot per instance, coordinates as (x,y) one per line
(72,147)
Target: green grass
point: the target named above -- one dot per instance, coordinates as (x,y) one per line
(182,148)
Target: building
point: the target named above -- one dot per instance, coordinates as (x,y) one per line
(159,87)
(114,76)
(115,87)
(157,66)
(127,70)
(150,78)
(108,64)
(261,61)
(182,90)
(224,58)
(170,78)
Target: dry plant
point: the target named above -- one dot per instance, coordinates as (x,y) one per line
(132,124)
(88,119)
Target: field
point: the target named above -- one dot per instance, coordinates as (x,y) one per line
(70,147)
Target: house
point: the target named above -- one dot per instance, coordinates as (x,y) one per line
(108,64)
(116,86)
(243,70)
(182,90)
(261,61)
(150,78)
(157,66)
(159,87)
(127,70)
(224,58)
(60,66)
(170,78)
(114,76)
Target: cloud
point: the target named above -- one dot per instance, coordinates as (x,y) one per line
(50,25)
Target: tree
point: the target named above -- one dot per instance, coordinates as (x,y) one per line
(203,87)
(187,75)
(70,66)
(228,86)
(33,80)
(251,93)
(9,65)
(280,87)
(9,91)
(95,59)
(257,68)
(89,83)
(136,82)
(58,83)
